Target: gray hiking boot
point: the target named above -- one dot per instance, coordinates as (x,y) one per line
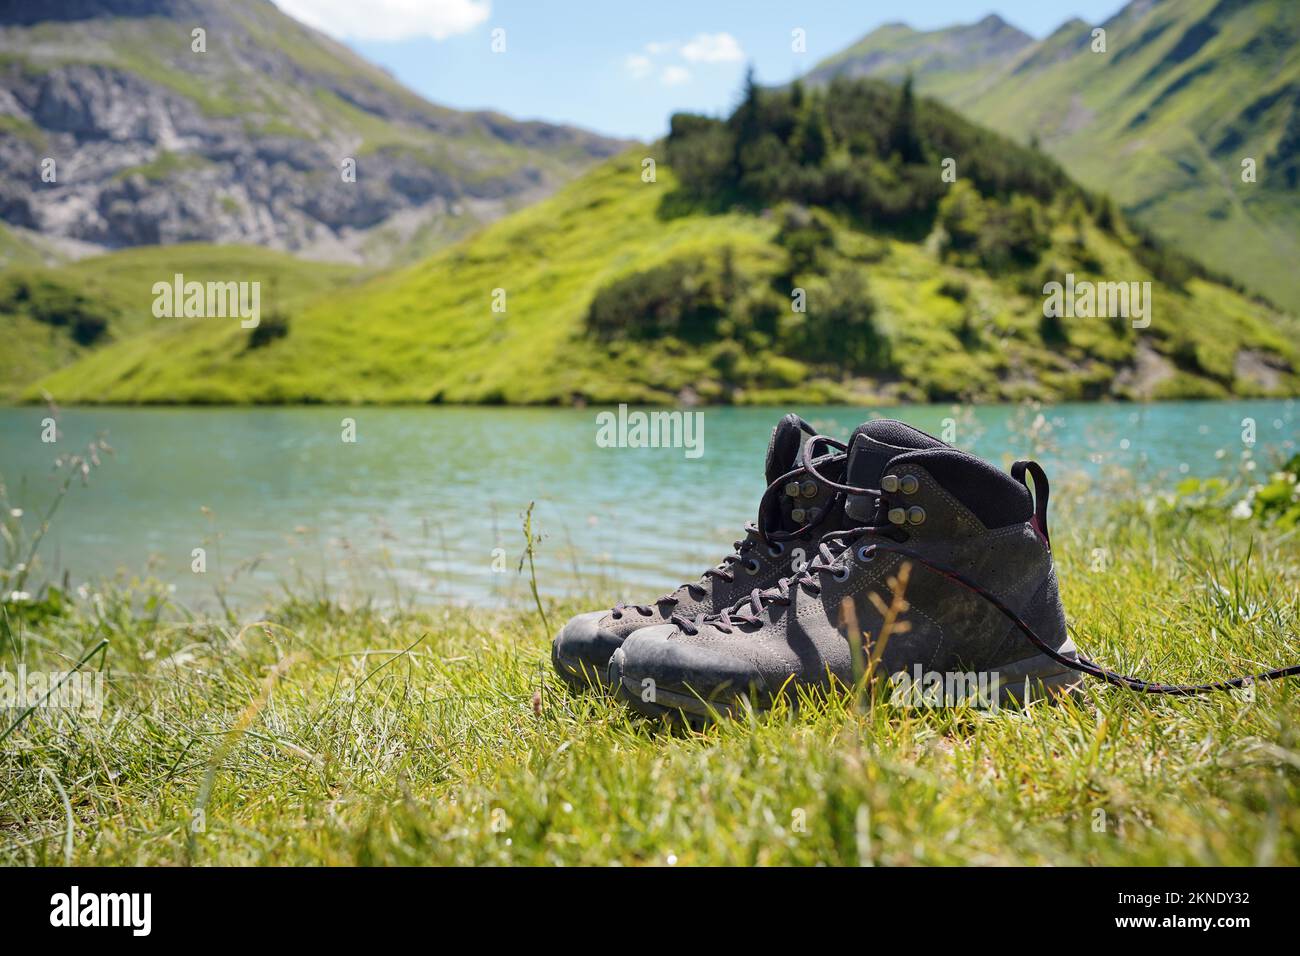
(796,511)
(978,560)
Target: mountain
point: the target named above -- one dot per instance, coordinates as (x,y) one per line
(1162,120)
(944,58)
(803,249)
(155,141)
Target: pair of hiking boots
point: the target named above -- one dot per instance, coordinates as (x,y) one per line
(894,556)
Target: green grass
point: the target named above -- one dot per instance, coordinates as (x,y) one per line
(321,735)
(428,333)
(163,166)
(1165,135)
(122,283)
(16,251)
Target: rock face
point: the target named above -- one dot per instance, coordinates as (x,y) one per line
(128,122)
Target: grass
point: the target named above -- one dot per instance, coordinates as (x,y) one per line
(121,284)
(1160,126)
(163,166)
(16,250)
(319,734)
(428,332)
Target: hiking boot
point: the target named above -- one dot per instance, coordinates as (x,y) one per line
(796,511)
(944,537)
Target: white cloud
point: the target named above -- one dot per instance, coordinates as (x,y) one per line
(675,75)
(701,48)
(639,66)
(712,48)
(389,19)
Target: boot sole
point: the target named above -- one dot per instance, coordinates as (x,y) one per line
(678,704)
(579,676)
(1020,683)
(1037,678)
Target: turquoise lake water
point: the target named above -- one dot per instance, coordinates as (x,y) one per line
(423,499)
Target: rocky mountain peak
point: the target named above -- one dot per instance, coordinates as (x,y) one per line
(115,131)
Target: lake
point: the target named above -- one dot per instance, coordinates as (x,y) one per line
(428,502)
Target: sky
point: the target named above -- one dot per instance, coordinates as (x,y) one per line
(623,67)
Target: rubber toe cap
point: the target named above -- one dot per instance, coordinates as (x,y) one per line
(583,644)
(652,653)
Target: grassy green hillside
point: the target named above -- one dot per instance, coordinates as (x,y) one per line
(16,250)
(59,316)
(1161,120)
(428,332)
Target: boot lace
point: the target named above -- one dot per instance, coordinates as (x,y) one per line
(756,532)
(722,571)
(748,610)
(832,557)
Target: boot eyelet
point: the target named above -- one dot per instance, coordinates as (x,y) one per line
(842,574)
(809,489)
(889,483)
(866,553)
(909,484)
(915,514)
(776,549)
(752,566)
(792,489)
(798,515)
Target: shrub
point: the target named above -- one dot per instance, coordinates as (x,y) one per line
(955,289)
(699,152)
(272,327)
(997,235)
(53,302)
(1166,264)
(839,327)
(684,298)
(727,359)
(1017,234)
(962,216)
(88,328)
(1051,329)
(1277,502)
(806,236)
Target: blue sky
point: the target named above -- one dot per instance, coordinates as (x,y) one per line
(623,67)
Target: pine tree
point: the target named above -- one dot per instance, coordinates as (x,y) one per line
(904,137)
(746,123)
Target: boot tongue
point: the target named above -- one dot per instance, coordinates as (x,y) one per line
(873,446)
(785,450)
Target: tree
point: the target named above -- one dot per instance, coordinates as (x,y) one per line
(746,123)
(904,136)
(812,137)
